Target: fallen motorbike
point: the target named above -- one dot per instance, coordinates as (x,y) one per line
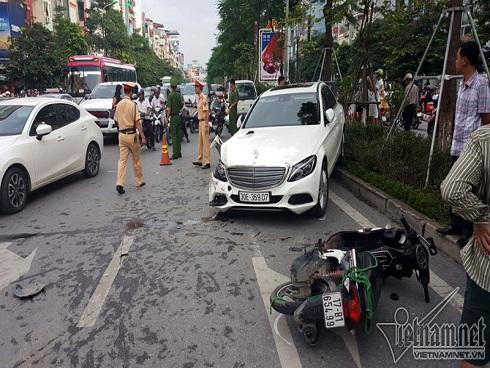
(338,282)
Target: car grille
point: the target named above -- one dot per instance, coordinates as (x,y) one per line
(256,177)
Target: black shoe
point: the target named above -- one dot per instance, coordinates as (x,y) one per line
(207,166)
(120,189)
(450,230)
(141,185)
(197,163)
(175,157)
(180,155)
(188,140)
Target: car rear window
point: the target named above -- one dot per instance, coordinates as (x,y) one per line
(13,118)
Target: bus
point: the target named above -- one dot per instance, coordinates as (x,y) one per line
(87,71)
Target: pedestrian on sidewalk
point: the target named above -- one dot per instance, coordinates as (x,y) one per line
(129,120)
(472,111)
(203,158)
(411,102)
(467,190)
(232,109)
(174,105)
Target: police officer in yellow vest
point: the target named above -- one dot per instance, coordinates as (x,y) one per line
(129,123)
(203,158)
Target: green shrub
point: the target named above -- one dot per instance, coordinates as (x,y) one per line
(398,166)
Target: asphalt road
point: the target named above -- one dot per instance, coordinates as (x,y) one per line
(191,291)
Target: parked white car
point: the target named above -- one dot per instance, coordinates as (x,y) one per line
(43,140)
(99,104)
(283,154)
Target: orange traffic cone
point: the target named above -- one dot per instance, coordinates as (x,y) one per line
(165,159)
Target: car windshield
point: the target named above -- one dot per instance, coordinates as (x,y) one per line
(246,91)
(284,110)
(104,91)
(13,118)
(189,89)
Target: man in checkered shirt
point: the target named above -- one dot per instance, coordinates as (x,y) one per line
(472,111)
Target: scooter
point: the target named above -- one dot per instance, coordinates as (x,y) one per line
(157,118)
(338,283)
(148,130)
(217,119)
(432,118)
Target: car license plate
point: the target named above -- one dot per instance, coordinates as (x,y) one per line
(333,310)
(254,197)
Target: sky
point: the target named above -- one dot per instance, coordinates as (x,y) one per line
(196,21)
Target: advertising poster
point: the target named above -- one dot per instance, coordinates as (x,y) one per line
(4,31)
(271,54)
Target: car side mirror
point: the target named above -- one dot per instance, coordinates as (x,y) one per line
(239,122)
(329,115)
(42,130)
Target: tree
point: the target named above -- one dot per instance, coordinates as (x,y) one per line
(32,60)
(106,30)
(69,39)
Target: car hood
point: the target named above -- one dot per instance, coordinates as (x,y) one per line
(7,141)
(97,103)
(271,146)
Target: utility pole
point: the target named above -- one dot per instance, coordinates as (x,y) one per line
(286,43)
(448,95)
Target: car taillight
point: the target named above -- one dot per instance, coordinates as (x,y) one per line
(352,307)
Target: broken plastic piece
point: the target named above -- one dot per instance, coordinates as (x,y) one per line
(28,291)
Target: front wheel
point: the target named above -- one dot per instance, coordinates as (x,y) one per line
(92,161)
(13,192)
(323,193)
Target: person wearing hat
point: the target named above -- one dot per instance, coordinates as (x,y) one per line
(380,91)
(203,158)
(411,101)
(129,122)
(232,109)
(174,105)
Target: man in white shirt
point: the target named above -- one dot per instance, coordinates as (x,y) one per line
(144,109)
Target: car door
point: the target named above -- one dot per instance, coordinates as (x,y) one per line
(330,128)
(74,133)
(48,152)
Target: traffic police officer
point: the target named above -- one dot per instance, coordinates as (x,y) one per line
(232,109)
(203,158)
(129,123)
(174,105)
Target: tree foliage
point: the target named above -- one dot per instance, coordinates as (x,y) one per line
(235,39)
(69,39)
(32,60)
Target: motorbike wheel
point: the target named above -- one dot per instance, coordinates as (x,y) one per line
(283,301)
(310,334)
(158,134)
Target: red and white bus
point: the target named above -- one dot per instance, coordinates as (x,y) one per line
(87,71)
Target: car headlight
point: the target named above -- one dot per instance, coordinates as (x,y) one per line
(219,172)
(303,168)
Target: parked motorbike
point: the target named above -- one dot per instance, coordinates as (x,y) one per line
(338,282)
(157,118)
(431,118)
(217,118)
(190,120)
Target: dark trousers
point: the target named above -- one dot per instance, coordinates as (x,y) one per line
(465,227)
(184,129)
(408,115)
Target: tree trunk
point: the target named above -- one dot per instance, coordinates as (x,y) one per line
(327,66)
(448,96)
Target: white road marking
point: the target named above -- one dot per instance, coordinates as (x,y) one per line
(94,306)
(12,266)
(268,280)
(276,329)
(441,287)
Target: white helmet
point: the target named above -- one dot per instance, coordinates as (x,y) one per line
(408,76)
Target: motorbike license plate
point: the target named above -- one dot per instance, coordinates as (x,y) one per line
(333,310)
(254,197)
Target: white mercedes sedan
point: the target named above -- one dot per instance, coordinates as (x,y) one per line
(43,140)
(283,154)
